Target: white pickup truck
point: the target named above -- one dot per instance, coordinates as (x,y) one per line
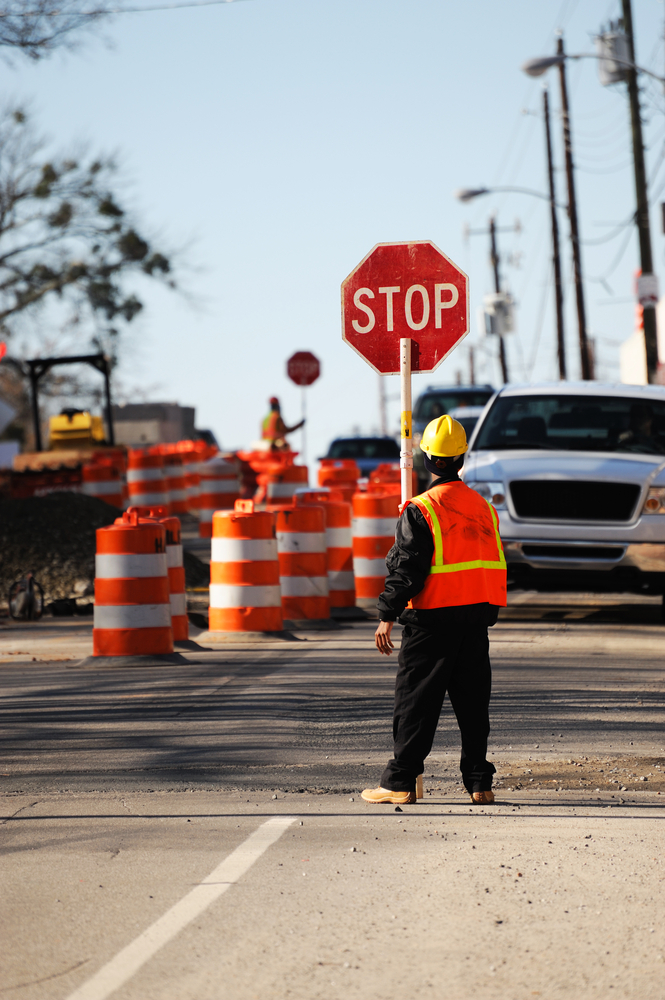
(576,472)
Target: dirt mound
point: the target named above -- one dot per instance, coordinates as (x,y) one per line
(54,538)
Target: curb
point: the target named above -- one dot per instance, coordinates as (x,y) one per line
(154,660)
(312,625)
(217,638)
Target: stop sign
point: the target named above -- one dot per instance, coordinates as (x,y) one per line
(405,290)
(303,368)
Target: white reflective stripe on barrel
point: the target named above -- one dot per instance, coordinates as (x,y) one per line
(369,567)
(228,595)
(148,499)
(174,555)
(218,467)
(105,488)
(219,485)
(116,566)
(304,586)
(174,471)
(132,615)
(282,489)
(143,475)
(341,579)
(338,538)
(205,515)
(239,549)
(374,527)
(177,495)
(301,541)
(178,604)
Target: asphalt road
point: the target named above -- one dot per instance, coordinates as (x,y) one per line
(136,861)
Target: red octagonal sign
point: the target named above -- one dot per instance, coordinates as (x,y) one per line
(303,368)
(405,290)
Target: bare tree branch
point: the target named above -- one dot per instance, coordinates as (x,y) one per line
(65,237)
(36,27)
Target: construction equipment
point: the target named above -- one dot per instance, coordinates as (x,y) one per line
(75,429)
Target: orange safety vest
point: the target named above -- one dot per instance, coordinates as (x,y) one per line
(468,565)
(270,425)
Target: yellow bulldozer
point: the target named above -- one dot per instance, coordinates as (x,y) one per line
(75,429)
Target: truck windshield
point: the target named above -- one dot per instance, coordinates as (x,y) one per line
(575,423)
(434,404)
(364,448)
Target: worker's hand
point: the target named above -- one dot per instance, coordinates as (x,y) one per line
(382,638)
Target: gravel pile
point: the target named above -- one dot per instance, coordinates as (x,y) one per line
(54,538)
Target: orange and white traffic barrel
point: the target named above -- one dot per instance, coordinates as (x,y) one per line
(146,480)
(303,563)
(174,562)
(244,571)
(374,522)
(340,474)
(390,474)
(132,606)
(194,453)
(341,583)
(103,480)
(219,489)
(176,482)
(177,592)
(281,482)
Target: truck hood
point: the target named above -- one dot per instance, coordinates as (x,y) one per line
(506,466)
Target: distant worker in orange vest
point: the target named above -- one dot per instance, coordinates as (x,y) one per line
(274,429)
(446,582)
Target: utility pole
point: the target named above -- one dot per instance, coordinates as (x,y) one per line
(642,210)
(556,258)
(586,361)
(383,412)
(494,258)
(472,366)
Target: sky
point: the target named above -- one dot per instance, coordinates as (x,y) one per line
(272,143)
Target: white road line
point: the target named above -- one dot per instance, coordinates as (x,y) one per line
(128,961)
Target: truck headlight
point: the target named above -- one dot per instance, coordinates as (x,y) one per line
(494,492)
(655,501)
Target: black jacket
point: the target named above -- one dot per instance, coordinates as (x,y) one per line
(408,564)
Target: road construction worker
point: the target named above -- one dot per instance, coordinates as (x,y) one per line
(446,582)
(274,429)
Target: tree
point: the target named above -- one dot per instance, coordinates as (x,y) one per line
(68,252)
(66,239)
(36,27)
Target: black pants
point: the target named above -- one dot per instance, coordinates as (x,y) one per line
(431,663)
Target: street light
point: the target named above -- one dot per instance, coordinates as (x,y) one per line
(536,67)
(468,194)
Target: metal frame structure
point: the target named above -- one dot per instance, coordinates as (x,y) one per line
(37,367)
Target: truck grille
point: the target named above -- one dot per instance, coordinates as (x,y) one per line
(558,500)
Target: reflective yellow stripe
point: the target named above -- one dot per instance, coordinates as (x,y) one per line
(436,526)
(502,558)
(438,565)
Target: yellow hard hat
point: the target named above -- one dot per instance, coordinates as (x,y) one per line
(443,437)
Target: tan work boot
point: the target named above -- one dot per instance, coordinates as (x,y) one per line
(386,795)
(482,798)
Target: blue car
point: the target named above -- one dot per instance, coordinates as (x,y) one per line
(368,452)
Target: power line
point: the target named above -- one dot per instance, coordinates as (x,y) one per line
(120,10)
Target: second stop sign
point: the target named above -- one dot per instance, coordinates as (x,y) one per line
(303,368)
(405,290)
